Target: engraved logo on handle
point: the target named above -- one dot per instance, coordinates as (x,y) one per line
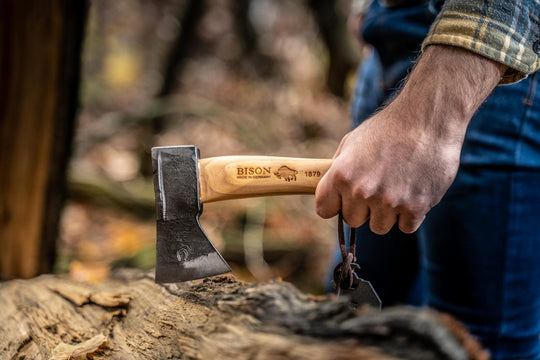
(286,173)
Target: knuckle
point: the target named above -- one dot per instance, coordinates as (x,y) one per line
(409,210)
(363,190)
(415,208)
(341,179)
(386,199)
(389,201)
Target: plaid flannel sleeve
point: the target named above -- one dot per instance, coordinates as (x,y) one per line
(505,31)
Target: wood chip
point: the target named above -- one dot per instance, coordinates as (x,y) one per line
(80,351)
(110,299)
(76,294)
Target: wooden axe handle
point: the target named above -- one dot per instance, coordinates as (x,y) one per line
(235,177)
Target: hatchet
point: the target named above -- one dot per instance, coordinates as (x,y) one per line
(183,182)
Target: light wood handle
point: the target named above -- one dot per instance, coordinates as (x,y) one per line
(235,177)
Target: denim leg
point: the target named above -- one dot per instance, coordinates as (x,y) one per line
(391,263)
(481,244)
(481,250)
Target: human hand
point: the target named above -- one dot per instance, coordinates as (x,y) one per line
(389,172)
(398,164)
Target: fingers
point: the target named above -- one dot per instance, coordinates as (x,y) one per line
(409,223)
(327,199)
(355,213)
(331,197)
(382,220)
(378,191)
(357,210)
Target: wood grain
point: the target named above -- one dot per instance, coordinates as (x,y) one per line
(234,177)
(131,317)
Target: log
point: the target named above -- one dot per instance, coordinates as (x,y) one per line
(131,317)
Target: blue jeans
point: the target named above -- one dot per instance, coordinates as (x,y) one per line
(477,254)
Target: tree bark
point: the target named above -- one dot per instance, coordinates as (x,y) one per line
(131,317)
(40,43)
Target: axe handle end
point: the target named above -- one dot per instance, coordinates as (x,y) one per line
(235,177)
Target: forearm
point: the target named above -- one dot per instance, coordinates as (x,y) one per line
(445,89)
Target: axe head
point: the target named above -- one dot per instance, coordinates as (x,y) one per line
(183,251)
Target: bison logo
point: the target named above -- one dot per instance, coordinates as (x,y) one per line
(286,173)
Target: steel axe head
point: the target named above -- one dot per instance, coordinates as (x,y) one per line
(183,251)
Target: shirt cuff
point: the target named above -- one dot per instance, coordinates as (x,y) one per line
(486,37)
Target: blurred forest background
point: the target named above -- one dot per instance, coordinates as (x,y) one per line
(233,77)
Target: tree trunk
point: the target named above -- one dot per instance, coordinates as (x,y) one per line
(342,57)
(40,43)
(131,317)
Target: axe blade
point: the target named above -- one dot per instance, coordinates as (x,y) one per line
(183,251)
